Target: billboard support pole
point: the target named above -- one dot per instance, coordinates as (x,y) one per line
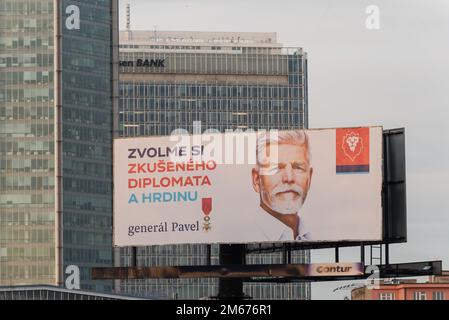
(337,255)
(134,256)
(208,255)
(387,253)
(362,254)
(284,253)
(233,254)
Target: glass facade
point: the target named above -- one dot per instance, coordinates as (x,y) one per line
(251,88)
(87,141)
(170,255)
(27,149)
(248,91)
(55,140)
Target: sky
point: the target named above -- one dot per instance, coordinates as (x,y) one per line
(395,76)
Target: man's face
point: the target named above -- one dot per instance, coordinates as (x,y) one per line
(283,181)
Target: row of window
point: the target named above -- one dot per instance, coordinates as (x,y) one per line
(27,129)
(8,235)
(27,112)
(42,271)
(27,42)
(96,69)
(200,288)
(138,106)
(26,165)
(54,295)
(87,238)
(274,291)
(258,50)
(417,295)
(86,220)
(173,288)
(42,199)
(96,83)
(86,151)
(26,183)
(86,134)
(213,90)
(27,94)
(87,186)
(26,7)
(181,118)
(85,116)
(179,249)
(78,46)
(87,203)
(24,60)
(18,23)
(91,100)
(28,253)
(79,167)
(27,217)
(165,129)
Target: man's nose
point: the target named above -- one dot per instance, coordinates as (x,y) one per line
(287,174)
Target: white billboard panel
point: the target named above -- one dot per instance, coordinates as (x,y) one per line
(298,185)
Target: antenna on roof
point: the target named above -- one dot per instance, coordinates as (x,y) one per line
(128,17)
(155,32)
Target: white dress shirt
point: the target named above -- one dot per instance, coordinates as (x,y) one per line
(272,229)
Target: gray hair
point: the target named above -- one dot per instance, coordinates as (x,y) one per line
(294,137)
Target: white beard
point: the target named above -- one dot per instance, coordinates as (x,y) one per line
(284,206)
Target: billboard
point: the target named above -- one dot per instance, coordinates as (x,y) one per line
(245,187)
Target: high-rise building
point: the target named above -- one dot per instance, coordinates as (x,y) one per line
(56,110)
(171,80)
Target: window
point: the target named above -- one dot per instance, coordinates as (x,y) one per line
(386,296)
(438,295)
(418,295)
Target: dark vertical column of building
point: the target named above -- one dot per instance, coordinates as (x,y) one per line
(115,107)
(87,128)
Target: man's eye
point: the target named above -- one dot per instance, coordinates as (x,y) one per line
(299,167)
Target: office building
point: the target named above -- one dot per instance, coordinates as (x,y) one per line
(56,110)
(171,80)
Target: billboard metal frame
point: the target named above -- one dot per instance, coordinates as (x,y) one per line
(253,272)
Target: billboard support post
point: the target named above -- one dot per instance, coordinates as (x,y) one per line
(362,253)
(134,257)
(208,254)
(233,254)
(337,255)
(284,253)
(387,253)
